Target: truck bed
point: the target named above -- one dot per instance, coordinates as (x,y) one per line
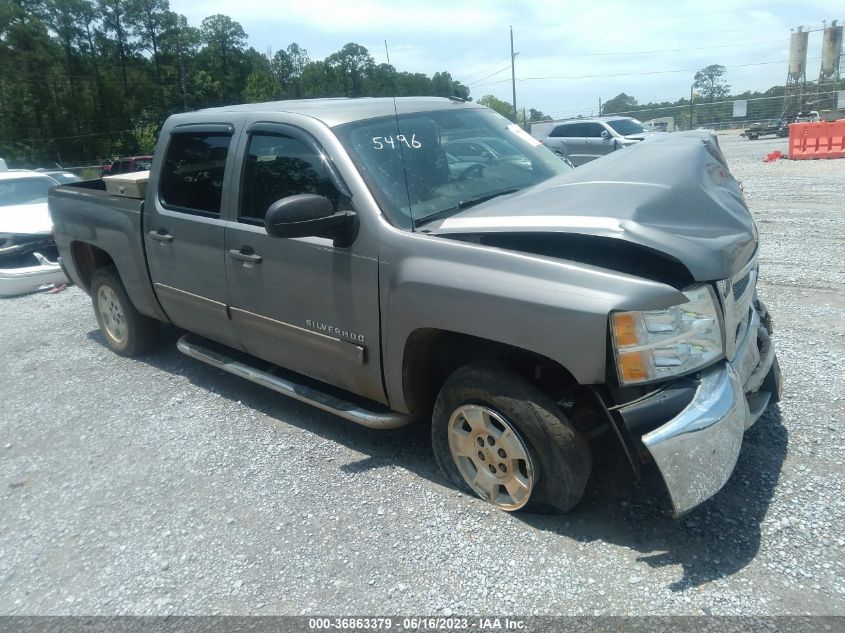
(85,214)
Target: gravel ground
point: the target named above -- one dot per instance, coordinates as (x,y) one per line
(161,485)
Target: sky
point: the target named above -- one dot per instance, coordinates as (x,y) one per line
(570,54)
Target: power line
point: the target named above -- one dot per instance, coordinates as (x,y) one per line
(666,50)
(502,69)
(667,16)
(486,68)
(63,138)
(630,74)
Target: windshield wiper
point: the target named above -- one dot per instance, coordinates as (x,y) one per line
(463,204)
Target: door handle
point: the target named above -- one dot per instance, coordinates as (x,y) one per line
(161,236)
(245,257)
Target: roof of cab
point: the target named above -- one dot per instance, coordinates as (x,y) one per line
(338,111)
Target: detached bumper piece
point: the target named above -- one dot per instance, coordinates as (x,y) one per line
(697,448)
(42,274)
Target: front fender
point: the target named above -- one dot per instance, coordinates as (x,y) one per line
(554,308)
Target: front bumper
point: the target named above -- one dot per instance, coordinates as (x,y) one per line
(697,449)
(26,279)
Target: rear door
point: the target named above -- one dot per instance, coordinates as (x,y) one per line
(574,142)
(306,304)
(558,140)
(184,230)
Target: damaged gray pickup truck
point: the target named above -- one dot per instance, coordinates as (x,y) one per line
(421,258)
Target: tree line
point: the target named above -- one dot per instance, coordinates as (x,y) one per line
(87,79)
(712,102)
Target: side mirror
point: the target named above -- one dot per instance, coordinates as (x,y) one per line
(310,215)
(605,134)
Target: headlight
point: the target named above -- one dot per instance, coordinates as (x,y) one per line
(658,344)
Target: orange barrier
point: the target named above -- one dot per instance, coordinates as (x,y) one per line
(822,139)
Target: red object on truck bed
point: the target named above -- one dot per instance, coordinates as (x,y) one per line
(821,139)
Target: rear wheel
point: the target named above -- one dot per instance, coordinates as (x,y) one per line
(499,437)
(127,331)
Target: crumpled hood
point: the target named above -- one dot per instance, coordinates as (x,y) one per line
(26,219)
(672,194)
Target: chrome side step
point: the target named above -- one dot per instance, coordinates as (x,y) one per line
(192,345)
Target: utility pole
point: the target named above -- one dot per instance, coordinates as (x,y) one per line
(599,106)
(513,79)
(387,52)
(690,105)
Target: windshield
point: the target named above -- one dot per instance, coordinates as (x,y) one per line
(25,190)
(627,126)
(439,162)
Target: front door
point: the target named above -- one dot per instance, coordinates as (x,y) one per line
(302,303)
(184,231)
(577,143)
(596,144)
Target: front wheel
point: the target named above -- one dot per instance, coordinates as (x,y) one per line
(127,331)
(499,437)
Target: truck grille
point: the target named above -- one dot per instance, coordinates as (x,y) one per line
(737,298)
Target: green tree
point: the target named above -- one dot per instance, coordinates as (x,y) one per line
(149,21)
(352,64)
(382,81)
(619,103)
(709,82)
(412,84)
(145,137)
(91,79)
(63,18)
(225,41)
(537,115)
(180,43)
(494,103)
(442,85)
(319,80)
(260,86)
(113,20)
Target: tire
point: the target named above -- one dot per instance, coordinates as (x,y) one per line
(127,331)
(773,382)
(557,459)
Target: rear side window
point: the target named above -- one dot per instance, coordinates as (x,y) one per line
(192,174)
(277,167)
(564,130)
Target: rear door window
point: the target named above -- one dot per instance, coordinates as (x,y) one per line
(568,130)
(192,174)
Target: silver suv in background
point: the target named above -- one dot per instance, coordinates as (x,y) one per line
(583,140)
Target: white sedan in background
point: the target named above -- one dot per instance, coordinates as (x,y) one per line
(28,255)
